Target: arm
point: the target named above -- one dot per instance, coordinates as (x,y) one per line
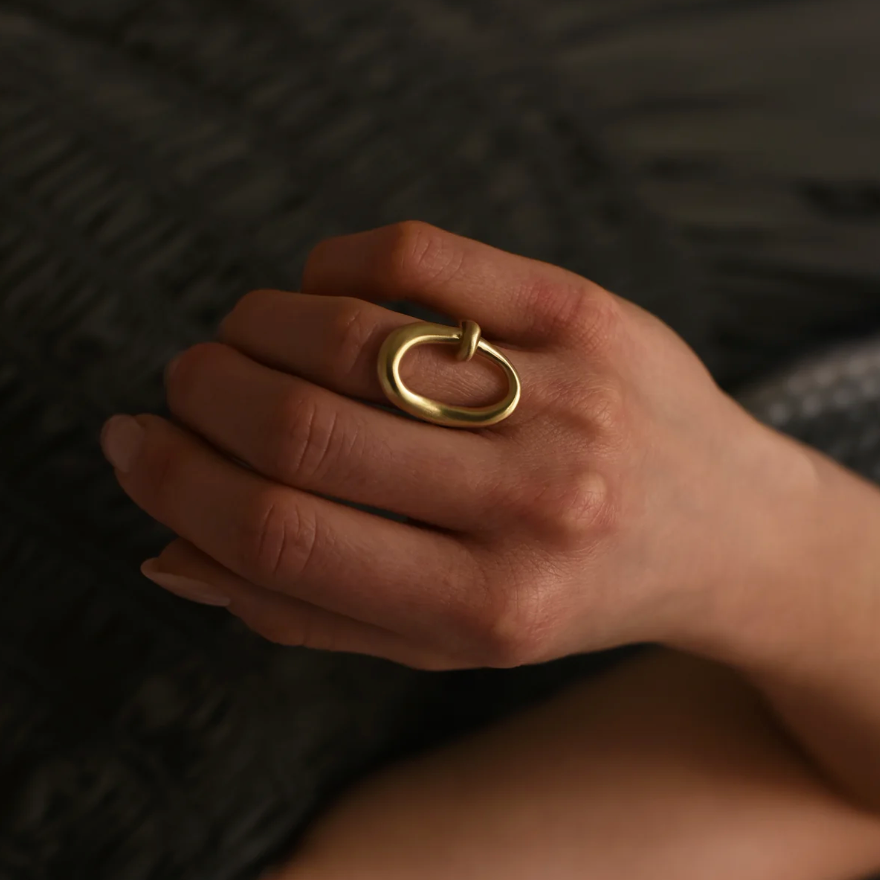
(804,624)
(626,500)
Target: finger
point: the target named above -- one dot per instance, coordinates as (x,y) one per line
(409,579)
(335,342)
(303,435)
(512,298)
(184,570)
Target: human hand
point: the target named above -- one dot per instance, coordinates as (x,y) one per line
(611,507)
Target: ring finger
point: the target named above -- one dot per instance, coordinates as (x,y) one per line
(308,437)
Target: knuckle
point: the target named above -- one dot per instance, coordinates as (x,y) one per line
(603,408)
(320,255)
(551,302)
(583,507)
(245,316)
(253,302)
(194,363)
(565,510)
(596,410)
(277,541)
(308,440)
(513,631)
(592,321)
(166,468)
(416,255)
(506,628)
(351,333)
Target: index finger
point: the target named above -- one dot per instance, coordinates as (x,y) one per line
(512,298)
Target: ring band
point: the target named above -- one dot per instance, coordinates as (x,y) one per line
(469,341)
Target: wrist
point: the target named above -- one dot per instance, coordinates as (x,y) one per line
(799,580)
(800,618)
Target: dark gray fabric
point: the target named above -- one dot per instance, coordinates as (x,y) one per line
(713,161)
(830,400)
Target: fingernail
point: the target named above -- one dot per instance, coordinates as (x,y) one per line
(121,440)
(188,588)
(171,367)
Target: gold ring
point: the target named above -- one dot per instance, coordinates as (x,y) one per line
(467,337)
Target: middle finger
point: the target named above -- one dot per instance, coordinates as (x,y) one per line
(334,341)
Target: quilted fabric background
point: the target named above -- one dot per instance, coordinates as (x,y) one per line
(715,161)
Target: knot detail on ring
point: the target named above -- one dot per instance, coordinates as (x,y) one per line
(468,340)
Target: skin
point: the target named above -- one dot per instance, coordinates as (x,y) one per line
(668,766)
(627,499)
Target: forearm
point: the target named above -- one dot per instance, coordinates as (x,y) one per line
(803,624)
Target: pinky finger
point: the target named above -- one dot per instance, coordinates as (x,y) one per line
(185,570)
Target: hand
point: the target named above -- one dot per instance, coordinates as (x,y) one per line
(605,510)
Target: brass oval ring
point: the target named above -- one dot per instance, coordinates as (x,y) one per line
(467,337)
